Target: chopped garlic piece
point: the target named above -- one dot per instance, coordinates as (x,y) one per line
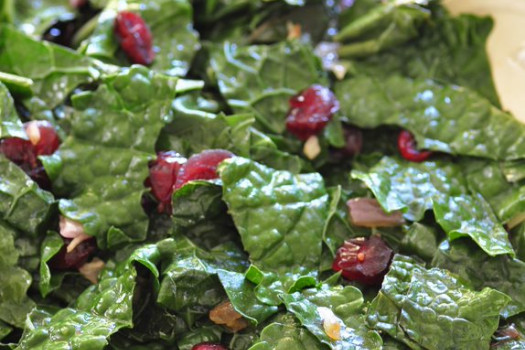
(331,323)
(311,148)
(33,132)
(92,269)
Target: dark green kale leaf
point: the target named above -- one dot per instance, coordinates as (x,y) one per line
(432,309)
(200,214)
(479,270)
(471,216)
(261,79)
(409,186)
(104,161)
(190,285)
(98,313)
(170,22)
(10,124)
(285,333)
(449,49)
(23,205)
(444,118)
(280,216)
(507,199)
(14,282)
(388,24)
(344,305)
(194,130)
(55,71)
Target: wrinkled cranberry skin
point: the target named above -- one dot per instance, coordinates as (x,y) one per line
(208,346)
(310,111)
(202,166)
(135,38)
(49,140)
(64,261)
(406,143)
(363,260)
(162,176)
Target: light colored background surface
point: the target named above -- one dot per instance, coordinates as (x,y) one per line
(506,47)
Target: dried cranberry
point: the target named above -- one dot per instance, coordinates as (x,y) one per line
(406,143)
(43,136)
(208,346)
(76,258)
(162,176)
(363,260)
(19,151)
(310,111)
(135,38)
(202,166)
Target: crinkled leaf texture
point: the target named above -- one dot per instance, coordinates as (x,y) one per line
(280,216)
(10,124)
(444,118)
(285,333)
(104,160)
(14,282)
(471,216)
(261,78)
(448,48)
(170,21)
(23,205)
(99,312)
(408,186)
(55,71)
(346,303)
(479,270)
(432,309)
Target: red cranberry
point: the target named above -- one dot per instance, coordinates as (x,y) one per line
(162,176)
(135,38)
(77,3)
(43,136)
(208,346)
(363,260)
(65,261)
(202,166)
(406,143)
(19,151)
(310,111)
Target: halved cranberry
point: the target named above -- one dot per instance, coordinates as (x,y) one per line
(162,176)
(65,261)
(135,38)
(363,260)
(43,136)
(209,346)
(202,166)
(406,143)
(310,111)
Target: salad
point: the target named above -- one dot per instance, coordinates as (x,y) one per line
(244,174)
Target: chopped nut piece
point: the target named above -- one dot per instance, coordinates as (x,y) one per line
(74,230)
(311,148)
(225,314)
(294,30)
(331,323)
(366,212)
(33,132)
(91,270)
